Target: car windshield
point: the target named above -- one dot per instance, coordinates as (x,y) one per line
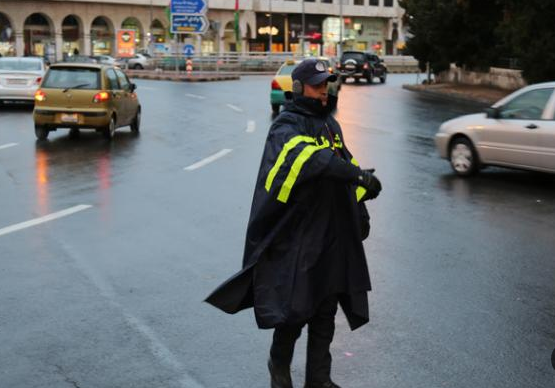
(355,56)
(22,64)
(68,77)
(287,69)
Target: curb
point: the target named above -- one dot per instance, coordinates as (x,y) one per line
(455,96)
(185,78)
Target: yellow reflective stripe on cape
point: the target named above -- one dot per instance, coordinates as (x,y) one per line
(292,143)
(361,191)
(305,154)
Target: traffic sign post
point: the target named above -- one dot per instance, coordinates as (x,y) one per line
(188,24)
(189,6)
(189,50)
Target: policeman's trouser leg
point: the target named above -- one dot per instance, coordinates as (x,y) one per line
(283,345)
(321,328)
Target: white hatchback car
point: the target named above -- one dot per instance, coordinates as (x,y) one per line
(518,131)
(20,78)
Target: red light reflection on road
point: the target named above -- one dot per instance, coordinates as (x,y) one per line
(41,182)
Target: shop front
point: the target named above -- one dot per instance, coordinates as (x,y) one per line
(286,31)
(102,37)
(7,37)
(39,37)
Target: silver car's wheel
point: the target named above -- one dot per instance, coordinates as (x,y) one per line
(463,157)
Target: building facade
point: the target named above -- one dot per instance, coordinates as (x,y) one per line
(57,28)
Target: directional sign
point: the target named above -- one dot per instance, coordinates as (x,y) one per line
(188,6)
(189,49)
(189,24)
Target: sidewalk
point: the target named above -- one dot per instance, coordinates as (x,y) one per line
(467,93)
(181,76)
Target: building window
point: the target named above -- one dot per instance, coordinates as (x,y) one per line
(388,3)
(375,2)
(327,1)
(359,2)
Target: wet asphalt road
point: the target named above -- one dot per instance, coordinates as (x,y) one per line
(463,271)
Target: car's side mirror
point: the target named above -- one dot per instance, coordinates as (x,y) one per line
(132,87)
(493,113)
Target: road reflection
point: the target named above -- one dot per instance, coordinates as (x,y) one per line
(76,167)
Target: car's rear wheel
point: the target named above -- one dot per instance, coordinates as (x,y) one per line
(110,129)
(74,132)
(138,66)
(370,78)
(41,132)
(463,157)
(136,124)
(275,108)
(383,78)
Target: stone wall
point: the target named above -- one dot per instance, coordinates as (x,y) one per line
(500,78)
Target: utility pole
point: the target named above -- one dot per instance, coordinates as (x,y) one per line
(340,51)
(150,36)
(271,29)
(303,28)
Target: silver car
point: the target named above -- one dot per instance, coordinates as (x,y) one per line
(140,61)
(20,78)
(518,132)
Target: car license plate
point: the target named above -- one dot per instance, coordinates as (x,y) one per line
(70,117)
(350,67)
(17,81)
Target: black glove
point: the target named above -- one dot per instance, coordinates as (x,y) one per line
(372,184)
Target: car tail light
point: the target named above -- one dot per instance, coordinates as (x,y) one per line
(38,80)
(330,69)
(365,66)
(101,97)
(40,96)
(338,65)
(275,85)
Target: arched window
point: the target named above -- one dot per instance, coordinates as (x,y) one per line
(71,36)
(102,36)
(39,37)
(7,37)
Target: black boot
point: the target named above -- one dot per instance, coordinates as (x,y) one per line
(280,375)
(326,384)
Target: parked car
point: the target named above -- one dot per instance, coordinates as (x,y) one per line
(282,82)
(108,60)
(77,96)
(20,78)
(140,61)
(358,64)
(518,131)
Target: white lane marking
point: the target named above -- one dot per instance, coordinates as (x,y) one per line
(209,159)
(251,126)
(235,108)
(42,220)
(195,96)
(156,345)
(7,145)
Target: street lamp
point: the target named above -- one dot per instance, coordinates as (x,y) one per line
(340,48)
(303,28)
(271,29)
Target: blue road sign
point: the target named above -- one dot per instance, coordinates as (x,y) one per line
(189,49)
(188,6)
(188,24)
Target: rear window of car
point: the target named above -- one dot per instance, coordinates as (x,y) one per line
(287,69)
(355,56)
(72,77)
(20,64)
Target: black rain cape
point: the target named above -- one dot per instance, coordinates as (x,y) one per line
(305,232)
